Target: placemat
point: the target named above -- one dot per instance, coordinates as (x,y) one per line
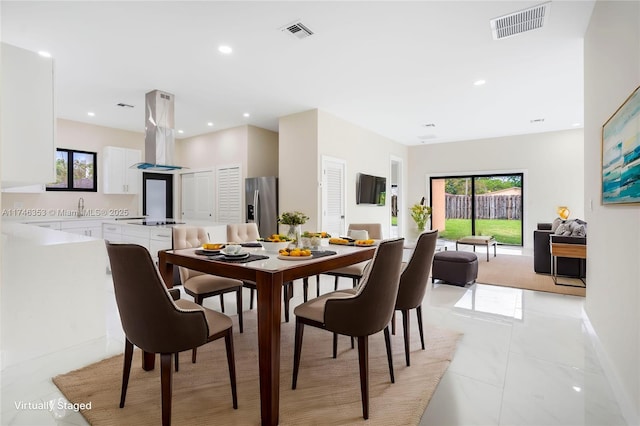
(322,253)
(251,244)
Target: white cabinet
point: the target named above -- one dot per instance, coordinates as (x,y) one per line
(112,232)
(159,239)
(27,116)
(117,176)
(50,225)
(32,189)
(88,228)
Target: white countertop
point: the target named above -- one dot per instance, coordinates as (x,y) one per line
(15,233)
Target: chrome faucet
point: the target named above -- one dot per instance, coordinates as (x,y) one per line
(80,207)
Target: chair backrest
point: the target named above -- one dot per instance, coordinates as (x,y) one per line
(414,278)
(370,310)
(150,319)
(242,232)
(374,229)
(185,236)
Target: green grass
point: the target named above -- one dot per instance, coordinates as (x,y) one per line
(504,231)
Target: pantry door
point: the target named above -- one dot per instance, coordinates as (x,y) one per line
(333,196)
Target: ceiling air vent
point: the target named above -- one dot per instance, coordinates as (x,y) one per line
(297,29)
(520,22)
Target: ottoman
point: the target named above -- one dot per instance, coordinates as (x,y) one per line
(455,267)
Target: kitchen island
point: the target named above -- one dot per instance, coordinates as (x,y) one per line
(53,291)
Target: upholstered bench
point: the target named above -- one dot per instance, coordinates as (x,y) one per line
(455,267)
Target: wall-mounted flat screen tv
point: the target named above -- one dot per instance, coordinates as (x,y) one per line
(371,189)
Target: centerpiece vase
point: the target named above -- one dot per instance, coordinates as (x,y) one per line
(295,233)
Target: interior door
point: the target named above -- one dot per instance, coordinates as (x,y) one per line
(198,194)
(333,196)
(229,194)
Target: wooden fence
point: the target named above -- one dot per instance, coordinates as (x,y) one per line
(487,206)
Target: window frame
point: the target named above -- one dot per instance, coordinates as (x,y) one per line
(70,187)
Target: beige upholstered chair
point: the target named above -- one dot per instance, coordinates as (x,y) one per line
(360,315)
(200,285)
(152,321)
(248,232)
(374,231)
(413,285)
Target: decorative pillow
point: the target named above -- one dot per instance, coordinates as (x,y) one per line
(556,222)
(577,230)
(563,229)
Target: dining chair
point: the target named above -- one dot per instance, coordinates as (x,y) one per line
(359,315)
(374,231)
(413,285)
(200,285)
(153,322)
(248,232)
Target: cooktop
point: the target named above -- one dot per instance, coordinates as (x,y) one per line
(158,222)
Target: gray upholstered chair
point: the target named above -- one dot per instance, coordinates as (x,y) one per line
(413,285)
(248,232)
(374,231)
(197,284)
(152,321)
(360,315)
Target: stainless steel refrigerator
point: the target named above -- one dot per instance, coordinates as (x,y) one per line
(261,199)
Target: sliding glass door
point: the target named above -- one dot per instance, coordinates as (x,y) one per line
(478,205)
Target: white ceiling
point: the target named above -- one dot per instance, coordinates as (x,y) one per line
(391,67)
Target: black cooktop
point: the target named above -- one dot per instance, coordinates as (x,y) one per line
(158,222)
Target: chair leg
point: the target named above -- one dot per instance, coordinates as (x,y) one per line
(287,294)
(126,370)
(296,352)
(387,342)
(317,285)
(252,293)
(363,360)
(393,323)
(231,360)
(419,312)
(176,361)
(239,304)
(305,288)
(405,328)
(335,345)
(222,302)
(166,384)
(355,282)
(335,285)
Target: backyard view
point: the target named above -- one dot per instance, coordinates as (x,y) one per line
(478,205)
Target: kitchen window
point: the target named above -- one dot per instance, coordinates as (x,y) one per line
(75,171)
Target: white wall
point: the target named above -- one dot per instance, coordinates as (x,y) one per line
(221,148)
(86,137)
(308,136)
(553,164)
(263,152)
(612,72)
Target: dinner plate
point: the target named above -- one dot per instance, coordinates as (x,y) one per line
(364,245)
(295,257)
(236,256)
(205,251)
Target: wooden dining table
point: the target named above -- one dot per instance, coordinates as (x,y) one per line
(269,275)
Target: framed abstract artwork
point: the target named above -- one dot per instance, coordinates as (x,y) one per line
(621,153)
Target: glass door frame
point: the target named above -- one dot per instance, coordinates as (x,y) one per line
(472,177)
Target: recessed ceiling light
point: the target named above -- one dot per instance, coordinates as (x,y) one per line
(227,50)
(479,82)
(246,114)
(181,131)
(210,124)
(91,114)
(576,124)
(44,54)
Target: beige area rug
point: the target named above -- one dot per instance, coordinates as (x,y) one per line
(328,390)
(517,271)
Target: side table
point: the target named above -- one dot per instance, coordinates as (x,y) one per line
(479,240)
(576,251)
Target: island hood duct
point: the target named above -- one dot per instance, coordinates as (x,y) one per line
(159,137)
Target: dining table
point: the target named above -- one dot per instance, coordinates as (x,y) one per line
(269,271)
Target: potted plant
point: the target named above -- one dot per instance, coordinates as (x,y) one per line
(420,214)
(295,220)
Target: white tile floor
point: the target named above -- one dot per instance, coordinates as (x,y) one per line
(525,359)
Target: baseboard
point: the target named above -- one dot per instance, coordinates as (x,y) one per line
(627,407)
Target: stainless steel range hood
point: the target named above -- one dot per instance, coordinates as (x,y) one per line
(159,136)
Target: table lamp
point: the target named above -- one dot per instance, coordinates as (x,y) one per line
(563,212)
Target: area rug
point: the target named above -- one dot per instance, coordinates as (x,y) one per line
(328,391)
(517,271)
